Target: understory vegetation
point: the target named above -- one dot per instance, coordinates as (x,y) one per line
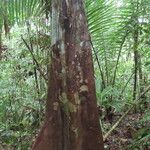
(120,39)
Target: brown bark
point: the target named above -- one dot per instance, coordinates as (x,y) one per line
(140,73)
(135,48)
(135,74)
(0,43)
(141,83)
(72,121)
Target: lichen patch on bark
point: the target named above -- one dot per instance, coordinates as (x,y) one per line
(55,105)
(76,97)
(84,88)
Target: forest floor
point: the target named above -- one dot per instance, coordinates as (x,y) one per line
(129,133)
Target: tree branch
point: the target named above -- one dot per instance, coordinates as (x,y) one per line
(34,59)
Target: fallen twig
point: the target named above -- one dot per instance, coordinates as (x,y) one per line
(118,122)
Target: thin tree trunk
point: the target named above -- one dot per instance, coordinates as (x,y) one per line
(109,112)
(0,37)
(140,73)
(135,49)
(135,46)
(72,121)
(118,58)
(106,63)
(141,83)
(103,86)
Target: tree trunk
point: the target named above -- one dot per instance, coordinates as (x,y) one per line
(135,74)
(0,42)
(72,121)
(140,73)
(141,84)
(135,48)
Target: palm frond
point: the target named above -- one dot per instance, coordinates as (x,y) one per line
(109,26)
